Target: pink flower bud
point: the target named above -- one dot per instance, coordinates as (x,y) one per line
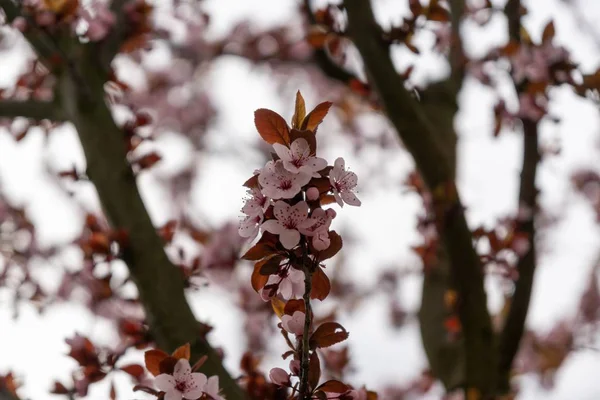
(279,377)
(312,193)
(331,213)
(293,323)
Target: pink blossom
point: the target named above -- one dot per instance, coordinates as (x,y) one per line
(256,203)
(318,221)
(279,183)
(279,377)
(290,285)
(182,384)
(529,108)
(297,158)
(294,323)
(287,222)
(249,226)
(343,183)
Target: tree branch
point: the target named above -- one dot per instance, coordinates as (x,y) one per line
(514,326)
(32,109)
(418,132)
(457,53)
(323,61)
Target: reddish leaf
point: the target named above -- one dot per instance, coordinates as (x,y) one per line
(271,127)
(113,392)
(314,371)
(317,36)
(334,386)
(167,365)
(270,266)
(320,285)
(167,231)
(299,111)
(152,358)
(135,370)
(278,306)
(294,305)
(59,388)
(549,32)
(182,352)
(258,281)
(315,117)
(148,160)
(328,334)
(323,184)
(264,247)
(252,182)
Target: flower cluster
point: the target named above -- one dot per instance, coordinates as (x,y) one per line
(285,200)
(175,379)
(285,203)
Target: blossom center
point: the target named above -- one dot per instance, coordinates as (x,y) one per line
(285,184)
(181,385)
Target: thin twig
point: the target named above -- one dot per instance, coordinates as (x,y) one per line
(305,356)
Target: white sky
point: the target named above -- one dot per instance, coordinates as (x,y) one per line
(34,347)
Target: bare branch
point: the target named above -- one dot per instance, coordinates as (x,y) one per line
(418,132)
(37,110)
(457,54)
(514,326)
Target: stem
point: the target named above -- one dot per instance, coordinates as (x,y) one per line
(305,356)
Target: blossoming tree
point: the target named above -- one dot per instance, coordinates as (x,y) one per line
(77,56)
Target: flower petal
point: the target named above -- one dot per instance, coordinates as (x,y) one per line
(282,152)
(350,198)
(300,149)
(182,368)
(349,180)
(173,395)
(272,226)
(281,210)
(164,382)
(299,212)
(285,288)
(289,238)
(212,387)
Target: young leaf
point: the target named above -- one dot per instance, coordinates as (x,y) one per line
(270,266)
(328,334)
(549,32)
(264,247)
(278,306)
(294,305)
(320,285)
(271,127)
(315,117)
(152,358)
(135,370)
(182,352)
(258,281)
(299,111)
